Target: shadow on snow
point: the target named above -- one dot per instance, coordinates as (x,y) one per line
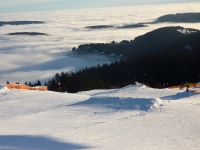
(177,96)
(118,103)
(24,142)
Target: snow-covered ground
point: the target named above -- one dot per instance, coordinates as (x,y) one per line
(129,118)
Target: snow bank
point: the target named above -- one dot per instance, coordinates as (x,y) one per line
(121,103)
(136,86)
(158,102)
(198,85)
(125,98)
(123,90)
(3,89)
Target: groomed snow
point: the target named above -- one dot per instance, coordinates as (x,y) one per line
(129,118)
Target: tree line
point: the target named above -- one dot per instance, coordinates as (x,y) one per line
(38,83)
(172,66)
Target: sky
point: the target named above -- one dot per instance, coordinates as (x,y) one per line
(7,6)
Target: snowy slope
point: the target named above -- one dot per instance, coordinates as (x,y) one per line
(129,118)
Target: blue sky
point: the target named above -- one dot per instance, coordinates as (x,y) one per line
(42,5)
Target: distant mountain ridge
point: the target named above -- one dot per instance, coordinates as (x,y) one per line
(173,18)
(26,33)
(139,25)
(180,17)
(2,23)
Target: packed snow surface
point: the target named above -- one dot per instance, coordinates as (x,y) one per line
(129,118)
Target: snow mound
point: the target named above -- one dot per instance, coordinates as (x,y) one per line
(197,86)
(158,102)
(135,86)
(130,89)
(120,91)
(3,89)
(121,103)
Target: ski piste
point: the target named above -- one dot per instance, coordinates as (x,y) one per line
(195,91)
(196,88)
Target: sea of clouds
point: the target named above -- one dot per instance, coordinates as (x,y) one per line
(29,58)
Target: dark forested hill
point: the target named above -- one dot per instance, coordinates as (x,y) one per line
(26,33)
(157,40)
(172,66)
(20,22)
(180,17)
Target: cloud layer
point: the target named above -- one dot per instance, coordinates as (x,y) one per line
(28,58)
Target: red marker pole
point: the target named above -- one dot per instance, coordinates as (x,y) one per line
(59,83)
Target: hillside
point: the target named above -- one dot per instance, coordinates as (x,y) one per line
(157,40)
(131,118)
(170,67)
(180,17)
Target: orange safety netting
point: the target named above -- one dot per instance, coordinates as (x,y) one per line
(25,87)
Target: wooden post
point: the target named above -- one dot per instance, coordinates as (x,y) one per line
(59,83)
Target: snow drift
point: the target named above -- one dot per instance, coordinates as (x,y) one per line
(120,103)
(3,89)
(114,99)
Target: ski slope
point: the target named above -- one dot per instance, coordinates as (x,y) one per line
(129,118)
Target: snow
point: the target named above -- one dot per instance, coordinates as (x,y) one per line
(197,86)
(3,89)
(134,117)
